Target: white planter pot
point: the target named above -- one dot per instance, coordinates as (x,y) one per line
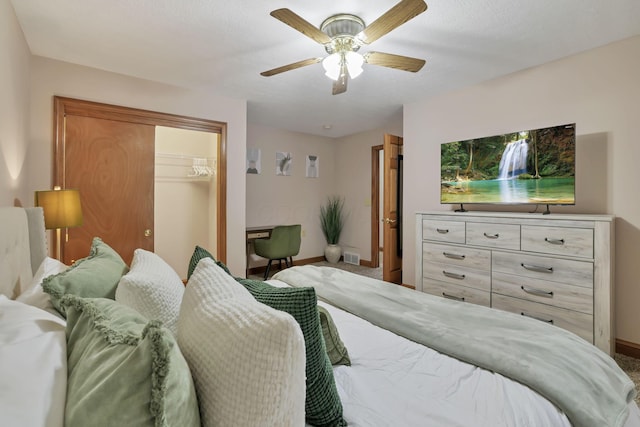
(332,253)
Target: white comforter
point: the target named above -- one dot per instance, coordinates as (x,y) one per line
(396,382)
(33,366)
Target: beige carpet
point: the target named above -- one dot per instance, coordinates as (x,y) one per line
(628,364)
(632,367)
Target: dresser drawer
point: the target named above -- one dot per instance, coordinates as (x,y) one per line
(555,267)
(493,235)
(458,275)
(579,323)
(457,292)
(456,255)
(576,242)
(575,298)
(578,273)
(443,231)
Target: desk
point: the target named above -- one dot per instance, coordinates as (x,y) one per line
(253,233)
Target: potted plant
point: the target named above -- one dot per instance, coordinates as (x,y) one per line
(332,221)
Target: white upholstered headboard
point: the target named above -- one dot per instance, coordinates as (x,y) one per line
(22,247)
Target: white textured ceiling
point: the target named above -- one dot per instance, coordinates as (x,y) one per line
(224,45)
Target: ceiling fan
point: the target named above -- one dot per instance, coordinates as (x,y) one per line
(342,36)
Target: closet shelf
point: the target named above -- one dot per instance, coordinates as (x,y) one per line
(196,167)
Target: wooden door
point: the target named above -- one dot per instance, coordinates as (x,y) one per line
(391,246)
(117,190)
(112,164)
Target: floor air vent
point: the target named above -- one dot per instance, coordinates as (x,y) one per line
(352,258)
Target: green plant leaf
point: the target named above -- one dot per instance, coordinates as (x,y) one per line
(332,219)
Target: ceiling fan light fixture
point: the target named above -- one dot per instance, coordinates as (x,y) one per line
(354,62)
(332,66)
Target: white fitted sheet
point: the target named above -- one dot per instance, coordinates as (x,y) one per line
(396,382)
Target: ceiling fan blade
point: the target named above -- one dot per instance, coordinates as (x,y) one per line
(297,23)
(290,67)
(391,19)
(340,85)
(399,62)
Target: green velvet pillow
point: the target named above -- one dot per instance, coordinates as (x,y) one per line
(322,404)
(336,350)
(123,369)
(95,276)
(200,253)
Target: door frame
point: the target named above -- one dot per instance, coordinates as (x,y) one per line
(63,106)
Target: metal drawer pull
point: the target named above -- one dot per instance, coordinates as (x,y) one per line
(554,241)
(442,230)
(453,275)
(537,268)
(537,318)
(453,297)
(491,236)
(538,292)
(454,256)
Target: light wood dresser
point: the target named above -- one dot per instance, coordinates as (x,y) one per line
(556,268)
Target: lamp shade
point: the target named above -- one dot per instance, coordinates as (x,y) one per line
(61,208)
(334,63)
(354,63)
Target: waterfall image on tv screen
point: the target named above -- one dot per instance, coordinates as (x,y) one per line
(530,166)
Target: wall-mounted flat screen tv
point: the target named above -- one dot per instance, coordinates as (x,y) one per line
(529,166)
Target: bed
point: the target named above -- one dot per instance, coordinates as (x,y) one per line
(225,355)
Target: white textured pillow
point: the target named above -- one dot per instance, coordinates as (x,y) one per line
(247,359)
(152,288)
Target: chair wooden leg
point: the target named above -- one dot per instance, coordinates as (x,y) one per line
(266,273)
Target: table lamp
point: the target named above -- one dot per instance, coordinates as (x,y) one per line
(61,210)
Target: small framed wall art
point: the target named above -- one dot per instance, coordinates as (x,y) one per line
(312,166)
(283,163)
(253,161)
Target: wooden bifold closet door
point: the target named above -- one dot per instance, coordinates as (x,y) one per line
(108,153)
(112,164)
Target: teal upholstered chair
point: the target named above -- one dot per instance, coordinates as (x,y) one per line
(283,244)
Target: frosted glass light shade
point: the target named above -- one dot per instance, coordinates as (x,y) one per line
(354,64)
(331,66)
(333,63)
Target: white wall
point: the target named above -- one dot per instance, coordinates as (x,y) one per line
(50,77)
(294,199)
(14,110)
(600,91)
